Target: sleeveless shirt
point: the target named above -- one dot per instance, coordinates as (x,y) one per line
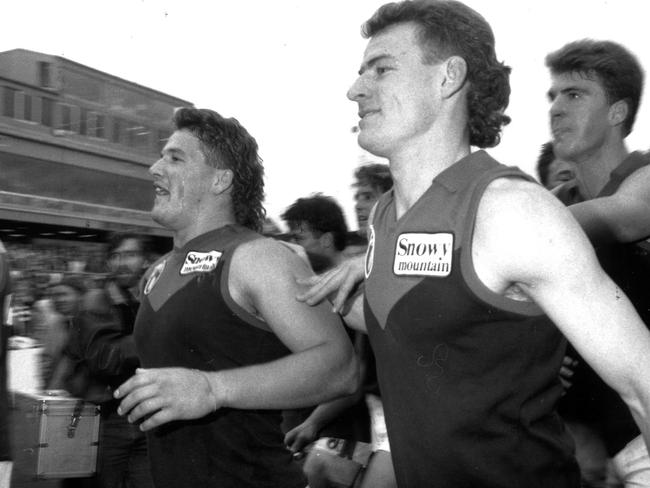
(590,400)
(187,318)
(469,378)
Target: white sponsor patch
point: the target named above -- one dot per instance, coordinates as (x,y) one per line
(421,254)
(370,252)
(200,262)
(153,277)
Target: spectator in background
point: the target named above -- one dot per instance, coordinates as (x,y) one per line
(5,448)
(102,350)
(371,181)
(53,326)
(551,171)
(318,225)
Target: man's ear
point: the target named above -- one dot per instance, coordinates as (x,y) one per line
(618,112)
(455,75)
(327,240)
(222,180)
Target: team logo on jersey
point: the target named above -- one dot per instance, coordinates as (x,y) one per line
(370,252)
(422,254)
(200,262)
(153,277)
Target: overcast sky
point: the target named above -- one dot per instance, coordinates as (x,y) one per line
(282,67)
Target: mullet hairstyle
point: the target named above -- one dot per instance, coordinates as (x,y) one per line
(617,69)
(450,28)
(226,144)
(544,161)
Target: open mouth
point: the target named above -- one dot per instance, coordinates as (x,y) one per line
(159,190)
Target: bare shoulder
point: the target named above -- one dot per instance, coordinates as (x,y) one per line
(515,202)
(264,265)
(638,183)
(520,229)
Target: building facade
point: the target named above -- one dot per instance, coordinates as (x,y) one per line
(75,148)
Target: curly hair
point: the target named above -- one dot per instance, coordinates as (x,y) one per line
(322,214)
(226,144)
(450,28)
(375,175)
(616,68)
(544,160)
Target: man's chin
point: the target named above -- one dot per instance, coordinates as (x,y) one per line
(372,144)
(157,216)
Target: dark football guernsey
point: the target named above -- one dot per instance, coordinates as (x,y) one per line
(590,400)
(188,319)
(469,379)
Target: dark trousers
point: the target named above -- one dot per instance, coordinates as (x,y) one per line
(122,460)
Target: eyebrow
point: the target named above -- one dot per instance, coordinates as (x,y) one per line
(551,94)
(373,61)
(172,150)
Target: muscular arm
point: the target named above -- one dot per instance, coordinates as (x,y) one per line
(622,217)
(308,431)
(321,365)
(526,238)
(343,285)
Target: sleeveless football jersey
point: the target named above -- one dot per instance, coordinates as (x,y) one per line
(469,378)
(590,400)
(187,318)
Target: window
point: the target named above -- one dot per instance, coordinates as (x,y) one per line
(163,136)
(96,125)
(138,136)
(45,74)
(118,131)
(8,102)
(47,112)
(83,121)
(100,127)
(66,118)
(27,107)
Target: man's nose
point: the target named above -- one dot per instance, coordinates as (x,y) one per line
(155,168)
(358,90)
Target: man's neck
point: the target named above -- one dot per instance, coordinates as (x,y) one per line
(414,170)
(201,226)
(593,172)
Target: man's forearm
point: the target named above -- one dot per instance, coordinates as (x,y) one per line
(301,379)
(611,219)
